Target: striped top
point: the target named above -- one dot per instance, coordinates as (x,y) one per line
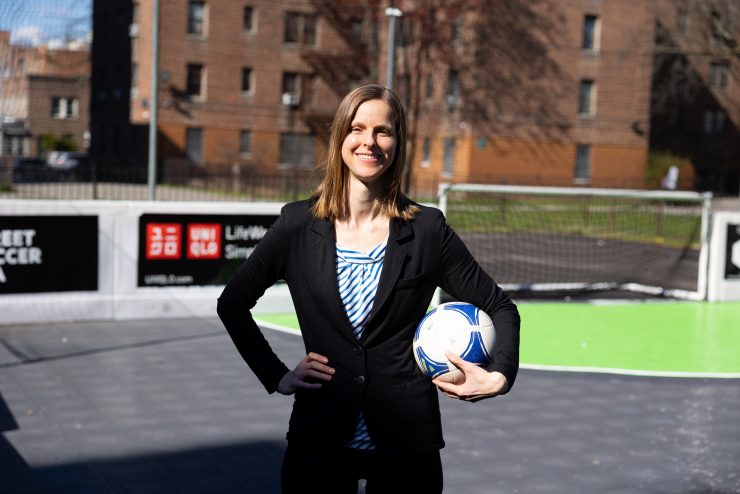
(357,276)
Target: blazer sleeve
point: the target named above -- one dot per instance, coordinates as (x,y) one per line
(464,279)
(265,266)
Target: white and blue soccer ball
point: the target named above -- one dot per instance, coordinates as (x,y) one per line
(457,327)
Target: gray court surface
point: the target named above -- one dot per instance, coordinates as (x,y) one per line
(169,407)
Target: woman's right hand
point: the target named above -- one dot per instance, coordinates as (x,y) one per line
(312,366)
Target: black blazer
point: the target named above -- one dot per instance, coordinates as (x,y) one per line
(377,374)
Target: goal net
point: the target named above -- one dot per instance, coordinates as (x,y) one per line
(551,239)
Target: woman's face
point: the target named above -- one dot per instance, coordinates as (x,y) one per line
(369,148)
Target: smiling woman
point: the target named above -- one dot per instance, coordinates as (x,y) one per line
(362,263)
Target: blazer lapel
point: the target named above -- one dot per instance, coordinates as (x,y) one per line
(323,262)
(395,255)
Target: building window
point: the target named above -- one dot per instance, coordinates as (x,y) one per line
(448,166)
(405,31)
(300,28)
(194,145)
(403,88)
(583,164)
(714,121)
(247,80)
(356,27)
(586,98)
(134,80)
(453,89)
(719,75)
(194,83)
(297,150)
(245,142)
(456,32)
(426,153)
(429,87)
(682,22)
(248,19)
(196,17)
(64,108)
(590,33)
(291,88)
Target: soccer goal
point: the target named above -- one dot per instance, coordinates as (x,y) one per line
(553,239)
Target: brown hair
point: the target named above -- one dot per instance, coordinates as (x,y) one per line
(331,200)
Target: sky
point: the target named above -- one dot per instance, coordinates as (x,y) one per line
(38,22)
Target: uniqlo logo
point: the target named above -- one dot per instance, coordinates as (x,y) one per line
(204,241)
(163,240)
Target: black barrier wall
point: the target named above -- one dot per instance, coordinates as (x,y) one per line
(40,254)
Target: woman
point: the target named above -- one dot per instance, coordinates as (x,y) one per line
(362,263)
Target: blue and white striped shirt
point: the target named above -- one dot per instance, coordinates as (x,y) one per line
(357,276)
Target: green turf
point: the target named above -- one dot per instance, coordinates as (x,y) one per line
(692,337)
(669,336)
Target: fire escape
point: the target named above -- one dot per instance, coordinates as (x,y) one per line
(355,21)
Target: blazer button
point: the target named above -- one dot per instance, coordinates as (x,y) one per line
(358,349)
(360,379)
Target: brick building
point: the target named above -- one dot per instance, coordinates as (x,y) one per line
(695,106)
(538,92)
(43,92)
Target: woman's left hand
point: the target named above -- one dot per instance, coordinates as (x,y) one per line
(470,382)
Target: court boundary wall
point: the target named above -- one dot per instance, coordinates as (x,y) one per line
(118,296)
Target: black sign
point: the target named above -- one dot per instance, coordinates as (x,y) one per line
(732,255)
(195,249)
(48,254)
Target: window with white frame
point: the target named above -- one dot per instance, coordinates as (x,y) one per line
(194,83)
(197,17)
(714,121)
(247,86)
(448,165)
(134,80)
(291,89)
(582,172)
(65,107)
(719,75)
(426,153)
(591,30)
(586,98)
(245,142)
(429,87)
(248,23)
(194,145)
(299,28)
(453,89)
(297,150)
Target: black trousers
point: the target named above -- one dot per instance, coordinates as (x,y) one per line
(337,471)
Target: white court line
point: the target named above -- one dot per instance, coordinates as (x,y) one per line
(574,369)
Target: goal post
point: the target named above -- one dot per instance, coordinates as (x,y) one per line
(568,239)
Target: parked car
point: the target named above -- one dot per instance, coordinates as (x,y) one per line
(71,165)
(26,170)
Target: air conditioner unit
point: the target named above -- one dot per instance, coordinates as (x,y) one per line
(290,99)
(133,30)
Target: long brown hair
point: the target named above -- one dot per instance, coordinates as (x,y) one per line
(331,194)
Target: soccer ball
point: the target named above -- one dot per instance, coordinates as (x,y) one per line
(458,327)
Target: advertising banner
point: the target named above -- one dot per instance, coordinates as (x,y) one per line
(41,254)
(196,249)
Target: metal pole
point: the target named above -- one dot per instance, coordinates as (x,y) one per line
(392,13)
(153,104)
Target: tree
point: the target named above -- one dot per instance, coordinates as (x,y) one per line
(496,62)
